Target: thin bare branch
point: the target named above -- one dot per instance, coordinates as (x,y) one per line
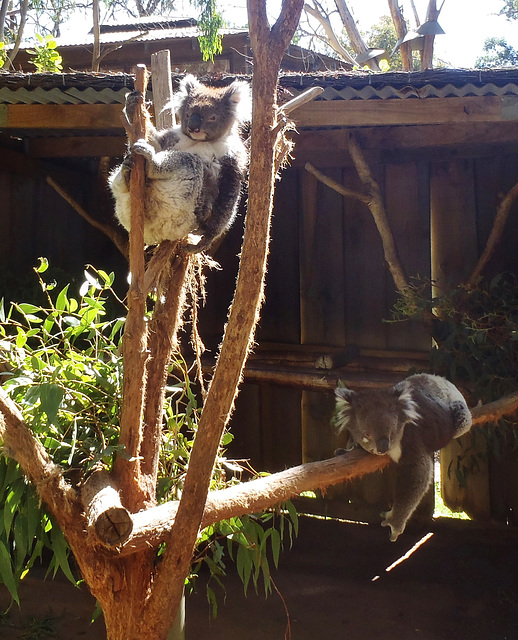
(330,36)
(116,235)
(496,234)
(336,186)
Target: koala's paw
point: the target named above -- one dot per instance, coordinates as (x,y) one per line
(143,148)
(395,529)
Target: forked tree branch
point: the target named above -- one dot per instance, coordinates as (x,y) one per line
(269,47)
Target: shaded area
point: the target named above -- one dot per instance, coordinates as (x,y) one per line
(461,583)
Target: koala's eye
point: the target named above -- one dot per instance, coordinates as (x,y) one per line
(212,118)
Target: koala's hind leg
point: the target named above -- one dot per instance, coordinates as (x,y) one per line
(461,418)
(413,477)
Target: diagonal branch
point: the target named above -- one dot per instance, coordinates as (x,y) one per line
(502,213)
(330,36)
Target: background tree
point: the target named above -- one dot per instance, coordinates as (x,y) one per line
(497,53)
(333,21)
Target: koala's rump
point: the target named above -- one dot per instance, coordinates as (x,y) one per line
(434,397)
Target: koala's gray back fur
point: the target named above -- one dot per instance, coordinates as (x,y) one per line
(408,422)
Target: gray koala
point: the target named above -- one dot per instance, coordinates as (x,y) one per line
(408,422)
(194,170)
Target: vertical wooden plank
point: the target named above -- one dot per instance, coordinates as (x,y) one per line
(453,222)
(321,256)
(364,272)
(322,298)
(407,201)
(280,318)
(246,427)
(454,254)
(280,427)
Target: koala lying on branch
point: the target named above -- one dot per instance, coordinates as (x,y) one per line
(194,170)
(408,422)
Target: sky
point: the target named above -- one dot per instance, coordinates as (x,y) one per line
(467,24)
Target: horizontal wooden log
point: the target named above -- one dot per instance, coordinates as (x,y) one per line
(105,514)
(390,138)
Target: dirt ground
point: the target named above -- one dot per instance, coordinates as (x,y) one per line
(336,583)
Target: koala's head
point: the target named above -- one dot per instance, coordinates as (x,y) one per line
(376,418)
(210,113)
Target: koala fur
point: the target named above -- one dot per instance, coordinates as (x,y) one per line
(408,422)
(194,170)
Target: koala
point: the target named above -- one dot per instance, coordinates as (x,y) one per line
(408,422)
(194,170)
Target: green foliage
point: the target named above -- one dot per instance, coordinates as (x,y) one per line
(383,36)
(3,56)
(61,364)
(252,542)
(45,56)
(476,333)
(210,22)
(498,53)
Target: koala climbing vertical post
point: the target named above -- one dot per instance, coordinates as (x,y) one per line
(134,345)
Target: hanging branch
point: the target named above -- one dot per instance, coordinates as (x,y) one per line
(502,213)
(134,345)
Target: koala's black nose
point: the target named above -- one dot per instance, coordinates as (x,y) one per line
(194,123)
(382,445)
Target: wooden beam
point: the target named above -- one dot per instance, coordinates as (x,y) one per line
(61,116)
(407,111)
(468,110)
(415,137)
(76,147)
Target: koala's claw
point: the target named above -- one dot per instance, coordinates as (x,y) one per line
(142,148)
(395,531)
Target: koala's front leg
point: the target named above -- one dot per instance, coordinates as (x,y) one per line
(222,197)
(414,475)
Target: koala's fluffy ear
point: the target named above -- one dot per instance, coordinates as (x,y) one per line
(344,394)
(406,404)
(238,94)
(189,85)
(344,397)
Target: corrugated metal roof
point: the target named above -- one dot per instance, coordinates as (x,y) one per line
(109,88)
(140,33)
